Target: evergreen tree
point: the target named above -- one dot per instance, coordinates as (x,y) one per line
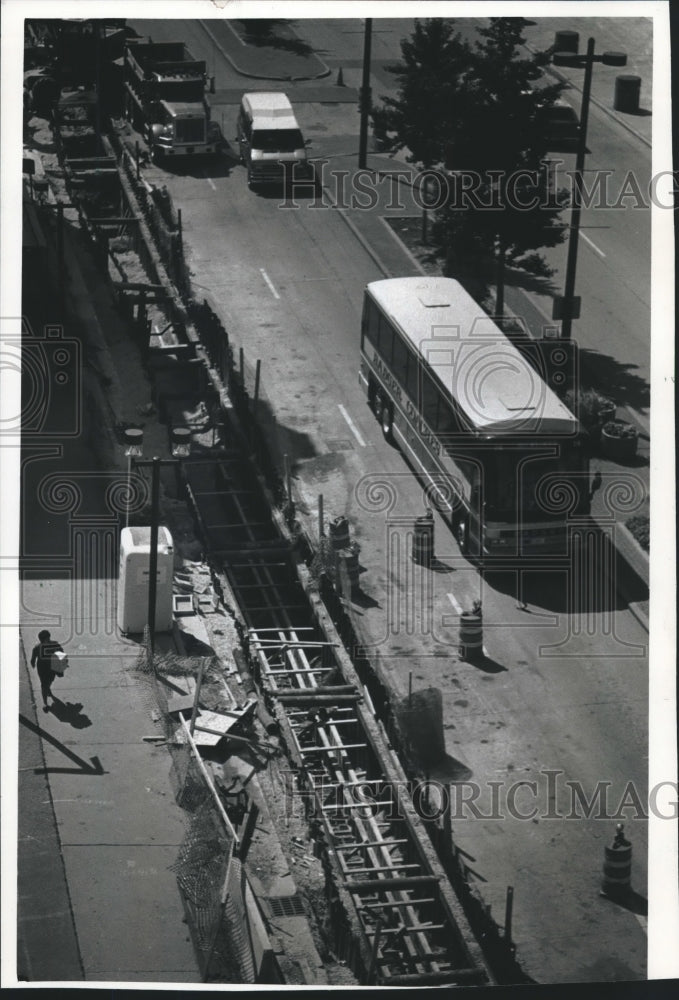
(431,78)
(481,111)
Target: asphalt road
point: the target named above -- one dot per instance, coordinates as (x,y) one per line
(288,284)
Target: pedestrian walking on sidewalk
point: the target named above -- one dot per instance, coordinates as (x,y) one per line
(41,658)
(595,485)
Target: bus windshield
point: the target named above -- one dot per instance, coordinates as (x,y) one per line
(277,140)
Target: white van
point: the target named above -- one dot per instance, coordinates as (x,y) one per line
(270,140)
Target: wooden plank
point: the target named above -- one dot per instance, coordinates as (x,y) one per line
(361,805)
(397,902)
(380,868)
(320,689)
(370,843)
(308,701)
(389,884)
(409,929)
(333,749)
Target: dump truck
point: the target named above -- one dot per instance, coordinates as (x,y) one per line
(165,99)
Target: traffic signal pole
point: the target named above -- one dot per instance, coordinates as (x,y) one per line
(366,99)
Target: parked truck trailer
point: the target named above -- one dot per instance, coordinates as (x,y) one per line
(165,98)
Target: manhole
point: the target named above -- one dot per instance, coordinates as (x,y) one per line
(286,906)
(340,444)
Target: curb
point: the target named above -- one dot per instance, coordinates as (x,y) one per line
(257,76)
(639,562)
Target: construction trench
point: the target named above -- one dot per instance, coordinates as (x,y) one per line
(403,911)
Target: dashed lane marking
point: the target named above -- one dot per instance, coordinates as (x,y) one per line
(269,283)
(352,426)
(211,183)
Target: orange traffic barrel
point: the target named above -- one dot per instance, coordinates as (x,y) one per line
(617,876)
(339,533)
(471,635)
(423,539)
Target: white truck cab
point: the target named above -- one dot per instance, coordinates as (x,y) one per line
(270,140)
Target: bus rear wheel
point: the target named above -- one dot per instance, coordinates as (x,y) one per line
(386,420)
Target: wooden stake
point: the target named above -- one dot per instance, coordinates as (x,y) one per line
(257,373)
(196,696)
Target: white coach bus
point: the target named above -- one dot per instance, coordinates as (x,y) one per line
(499,453)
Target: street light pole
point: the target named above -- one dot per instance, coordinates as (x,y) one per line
(571,263)
(180,450)
(365,96)
(134,437)
(153,557)
(588,60)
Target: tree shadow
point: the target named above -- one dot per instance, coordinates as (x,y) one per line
(540,284)
(615,379)
(70,712)
(273,33)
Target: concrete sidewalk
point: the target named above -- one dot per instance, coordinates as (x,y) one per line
(98,824)
(109,828)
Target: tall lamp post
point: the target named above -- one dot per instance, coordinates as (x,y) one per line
(180,449)
(573,59)
(366,99)
(134,439)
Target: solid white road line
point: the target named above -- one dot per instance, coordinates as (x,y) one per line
(643,921)
(452,600)
(594,247)
(269,283)
(354,429)
(211,183)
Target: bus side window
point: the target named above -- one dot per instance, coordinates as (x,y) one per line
(447,422)
(399,365)
(428,404)
(412,376)
(386,339)
(365,326)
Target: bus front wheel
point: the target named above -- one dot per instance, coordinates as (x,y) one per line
(386,420)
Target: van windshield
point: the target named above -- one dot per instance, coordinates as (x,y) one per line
(277,140)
